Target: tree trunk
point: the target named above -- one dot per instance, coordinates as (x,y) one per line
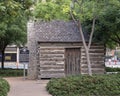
(3,58)
(86,48)
(88,62)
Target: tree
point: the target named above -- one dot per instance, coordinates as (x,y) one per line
(88,10)
(105,22)
(107,26)
(12,25)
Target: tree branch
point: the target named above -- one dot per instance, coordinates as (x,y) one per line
(92,31)
(78,24)
(80,4)
(118,37)
(75,21)
(82,35)
(115,40)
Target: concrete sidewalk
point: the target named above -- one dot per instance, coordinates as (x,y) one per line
(21,87)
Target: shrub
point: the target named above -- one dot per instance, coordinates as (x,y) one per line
(4,87)
(109,69)
(103,85)
(11,72)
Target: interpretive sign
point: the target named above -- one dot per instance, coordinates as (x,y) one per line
(24,55)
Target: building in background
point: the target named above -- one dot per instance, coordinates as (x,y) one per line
(113,54)
(13,57)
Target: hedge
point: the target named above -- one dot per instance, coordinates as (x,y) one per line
(11,72)
(4,87)
(99,85)
(109,69)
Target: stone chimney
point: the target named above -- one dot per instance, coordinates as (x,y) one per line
(32,66)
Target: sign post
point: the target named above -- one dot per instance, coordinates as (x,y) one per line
(24,76)
(24,58)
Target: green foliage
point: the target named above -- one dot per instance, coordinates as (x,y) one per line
(88,9)
(13,19)
(107,26)
(13,23)
(26,6)
(102,85)
(11,72)
(109,69)
(107,29)
(4,87)
(52,10)
(25,3)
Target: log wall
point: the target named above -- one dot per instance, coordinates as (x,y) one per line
(52,59)
(51,62)
(97,54)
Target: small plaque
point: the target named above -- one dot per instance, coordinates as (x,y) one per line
(24,55)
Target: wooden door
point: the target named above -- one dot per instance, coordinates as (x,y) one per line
(72,61)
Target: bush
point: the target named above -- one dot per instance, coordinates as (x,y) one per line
(11,72)
(103,85)
(4,87)
(109,69)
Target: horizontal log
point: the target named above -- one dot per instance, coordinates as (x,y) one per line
(94,59)
(100,54)
(51,62)
(58,75)
(85,64)
(92,56)
(95,51)
(96,64)
(93,66)
(51,71)
(52,59)
(50,48)
(51,55)
(84,70)
(97,47)
(52,52)
(84,57)
(51,67)
(93,62)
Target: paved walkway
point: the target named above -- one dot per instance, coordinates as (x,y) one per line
(21,87)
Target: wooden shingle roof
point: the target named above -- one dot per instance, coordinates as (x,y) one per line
(57,31)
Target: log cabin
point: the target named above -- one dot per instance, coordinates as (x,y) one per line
(56,50)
